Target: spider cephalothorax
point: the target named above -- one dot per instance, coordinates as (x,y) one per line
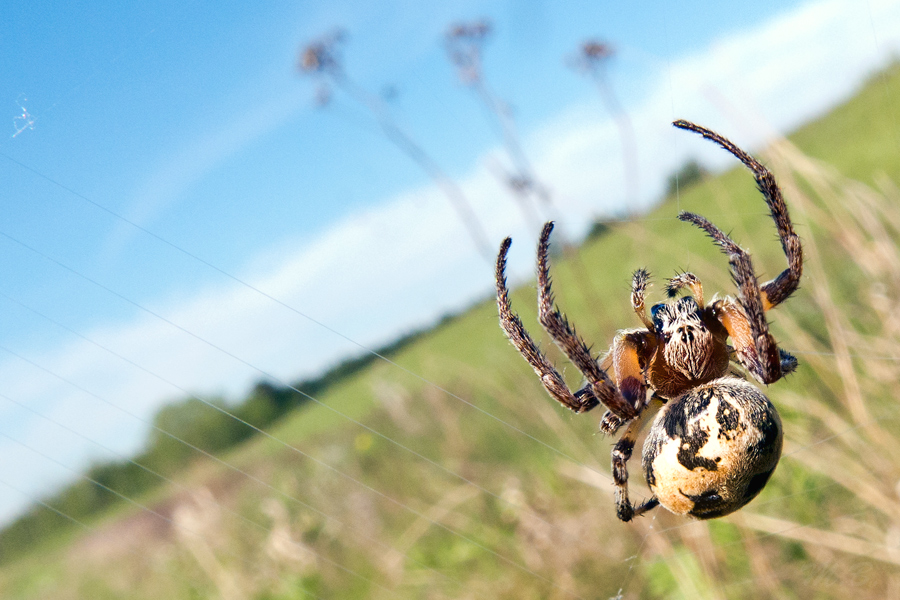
(716,438)
(689,346)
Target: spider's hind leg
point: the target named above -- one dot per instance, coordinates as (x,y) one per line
(621,453)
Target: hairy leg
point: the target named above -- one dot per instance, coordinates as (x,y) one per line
(621,453)
(580,401)
(640,281)
(747,326)
(779,289)
(746,323)
(686,280)
(620,401)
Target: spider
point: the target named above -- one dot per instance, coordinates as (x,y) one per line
(716,438)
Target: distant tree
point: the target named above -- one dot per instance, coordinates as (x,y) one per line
(690,173)
(125,477)
(196,423)
(598,230)
(266,403)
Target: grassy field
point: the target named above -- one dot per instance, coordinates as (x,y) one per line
(448,472)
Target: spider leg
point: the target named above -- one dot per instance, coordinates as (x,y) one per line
(639,283)
(630,353)
(582,400)
(788,362)
(744,320)
(625,399)
(610,423)
(621,453)
(779,289)
(686,280)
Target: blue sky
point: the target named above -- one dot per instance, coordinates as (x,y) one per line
(190,121)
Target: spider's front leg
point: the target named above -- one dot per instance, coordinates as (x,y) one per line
(599,388)
(581,401)
(779,289)
(626,396)
(745,320)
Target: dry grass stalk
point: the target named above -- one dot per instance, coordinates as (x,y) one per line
(816,537)
(197,523)
(593,60)
(322,59)
(281,546)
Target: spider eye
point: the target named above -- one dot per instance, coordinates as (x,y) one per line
(655,309)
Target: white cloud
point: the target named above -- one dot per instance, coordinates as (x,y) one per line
(409,259)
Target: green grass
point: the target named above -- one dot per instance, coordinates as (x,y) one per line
(477,460)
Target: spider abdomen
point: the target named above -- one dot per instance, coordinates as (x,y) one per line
(712,450)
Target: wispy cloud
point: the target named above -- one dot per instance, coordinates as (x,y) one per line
(197,157)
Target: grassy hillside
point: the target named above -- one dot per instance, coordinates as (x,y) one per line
(448,472)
